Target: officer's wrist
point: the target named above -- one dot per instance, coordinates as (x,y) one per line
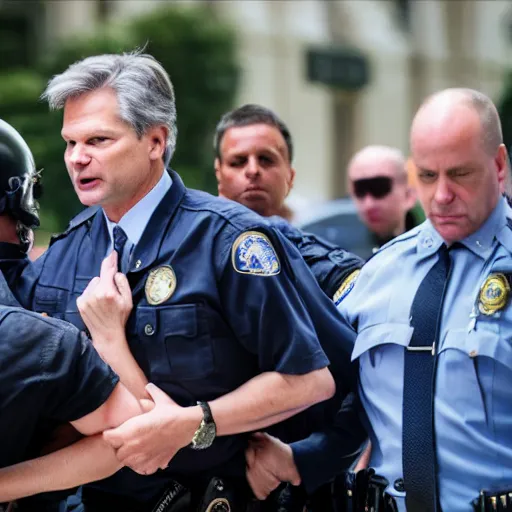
(192,417)
(292,472)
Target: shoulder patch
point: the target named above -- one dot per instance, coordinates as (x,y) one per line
(346,287)
(253,253)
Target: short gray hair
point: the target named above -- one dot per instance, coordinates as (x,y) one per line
(144,90)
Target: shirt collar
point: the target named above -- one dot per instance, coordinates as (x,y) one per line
(135,220)
(480,242)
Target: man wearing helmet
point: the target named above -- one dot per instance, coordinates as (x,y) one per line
(19,185)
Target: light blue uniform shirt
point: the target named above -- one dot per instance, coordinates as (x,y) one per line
(135,220)
(473,393)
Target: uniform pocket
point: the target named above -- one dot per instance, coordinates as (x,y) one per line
(476,368)
(50,300)
(177,341)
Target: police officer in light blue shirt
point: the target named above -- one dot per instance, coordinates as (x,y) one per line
(433,320)
(460,162)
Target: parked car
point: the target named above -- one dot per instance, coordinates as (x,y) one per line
(337,221)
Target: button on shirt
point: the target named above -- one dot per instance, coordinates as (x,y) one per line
(473,392)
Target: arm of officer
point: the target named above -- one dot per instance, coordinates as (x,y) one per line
(266,311)
(269,398)
(87,460)
(104,307)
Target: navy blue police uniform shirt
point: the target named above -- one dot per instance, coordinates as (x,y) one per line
(49,371)
(216,302)
(330,264)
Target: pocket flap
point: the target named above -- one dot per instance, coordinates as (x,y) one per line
(487,343)
(381,334)
(178,320)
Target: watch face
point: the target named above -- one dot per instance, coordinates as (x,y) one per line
(204,436)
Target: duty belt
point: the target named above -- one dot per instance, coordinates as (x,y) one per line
(495,501)
(363,491)
(211,495)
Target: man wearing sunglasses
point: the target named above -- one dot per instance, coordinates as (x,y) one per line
(380,190)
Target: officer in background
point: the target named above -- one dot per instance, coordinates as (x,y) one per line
(378,184)
(219,321)
(437,330)
(49,370)
(253,166)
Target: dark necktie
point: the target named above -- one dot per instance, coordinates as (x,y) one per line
(120,239)
(418,444)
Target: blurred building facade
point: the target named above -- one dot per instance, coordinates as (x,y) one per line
(341,73)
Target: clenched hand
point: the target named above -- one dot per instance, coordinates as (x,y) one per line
(106,303)
(269,462)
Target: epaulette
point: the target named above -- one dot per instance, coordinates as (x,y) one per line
(76,221)
(408,235)
(403,237)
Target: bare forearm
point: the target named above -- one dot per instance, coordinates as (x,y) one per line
(267,399)
(88,460)
(121,360)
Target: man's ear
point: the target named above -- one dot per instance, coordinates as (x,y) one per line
(291,180)
(157,137)
(502,163)
(216,164)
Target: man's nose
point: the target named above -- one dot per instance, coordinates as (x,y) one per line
(252,169)
(443,193)
(79,156)
(367,201)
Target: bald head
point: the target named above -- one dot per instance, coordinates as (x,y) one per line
(442,107)
(378,185)
(371,159)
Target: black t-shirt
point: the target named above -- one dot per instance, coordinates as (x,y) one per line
(49,371)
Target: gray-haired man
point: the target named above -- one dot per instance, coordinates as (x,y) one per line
(219,319)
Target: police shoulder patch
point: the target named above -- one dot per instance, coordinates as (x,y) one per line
(253,253)
(346,287)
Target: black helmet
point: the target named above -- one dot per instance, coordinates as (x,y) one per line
(19,180)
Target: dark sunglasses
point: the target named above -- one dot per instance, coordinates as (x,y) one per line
(377,187)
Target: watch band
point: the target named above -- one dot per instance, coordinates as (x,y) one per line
(207,412)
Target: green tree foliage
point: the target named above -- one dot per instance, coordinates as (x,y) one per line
(199,53)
